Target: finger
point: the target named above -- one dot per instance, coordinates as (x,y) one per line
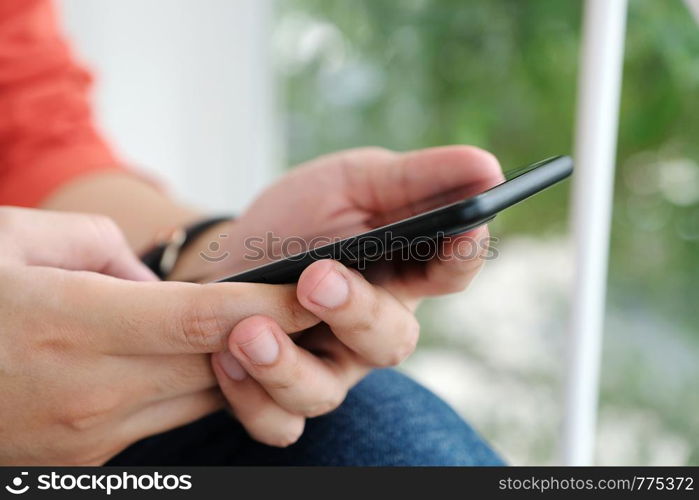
(169,414)
(157,378)
(366,318)
(322,342)
(257,412)
(296,379)
(123,317)
(71,241)
(383,182)
(459,260)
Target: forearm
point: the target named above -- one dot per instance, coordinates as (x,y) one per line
(139,208)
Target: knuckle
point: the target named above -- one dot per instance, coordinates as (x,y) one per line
(351,159)
(46,346)
(27,351)
(367,322)
(331,402)
(285,376)
(253,417)
(299,316)
(406,346)
(104,224)
(281,436)
(105,228)
(107,232)
(200,327)
(412,336)
(374,313)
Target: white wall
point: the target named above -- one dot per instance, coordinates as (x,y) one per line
(184,90)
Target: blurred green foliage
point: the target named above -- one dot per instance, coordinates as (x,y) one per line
(501,74)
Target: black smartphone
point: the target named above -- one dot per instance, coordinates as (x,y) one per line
(422,222)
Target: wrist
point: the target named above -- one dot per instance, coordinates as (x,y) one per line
(138,207)
(201,260)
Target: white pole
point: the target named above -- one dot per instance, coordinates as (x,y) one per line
(599,87)
(693,6)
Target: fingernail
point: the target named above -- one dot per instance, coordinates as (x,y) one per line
(263,349)
(331,292)
(231,366)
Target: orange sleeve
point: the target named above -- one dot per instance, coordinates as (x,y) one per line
(47,135)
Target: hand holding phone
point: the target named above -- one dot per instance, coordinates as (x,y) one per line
(365,322)
(421,221)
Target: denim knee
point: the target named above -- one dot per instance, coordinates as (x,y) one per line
(389,419)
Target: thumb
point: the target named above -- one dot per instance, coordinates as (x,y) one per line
(70,241)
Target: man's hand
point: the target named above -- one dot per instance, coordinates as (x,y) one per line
(274,383)
(89,364)
(348,192)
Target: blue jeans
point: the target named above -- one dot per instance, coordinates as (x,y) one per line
(387,419)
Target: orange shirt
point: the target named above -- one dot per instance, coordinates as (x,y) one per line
(47,135)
